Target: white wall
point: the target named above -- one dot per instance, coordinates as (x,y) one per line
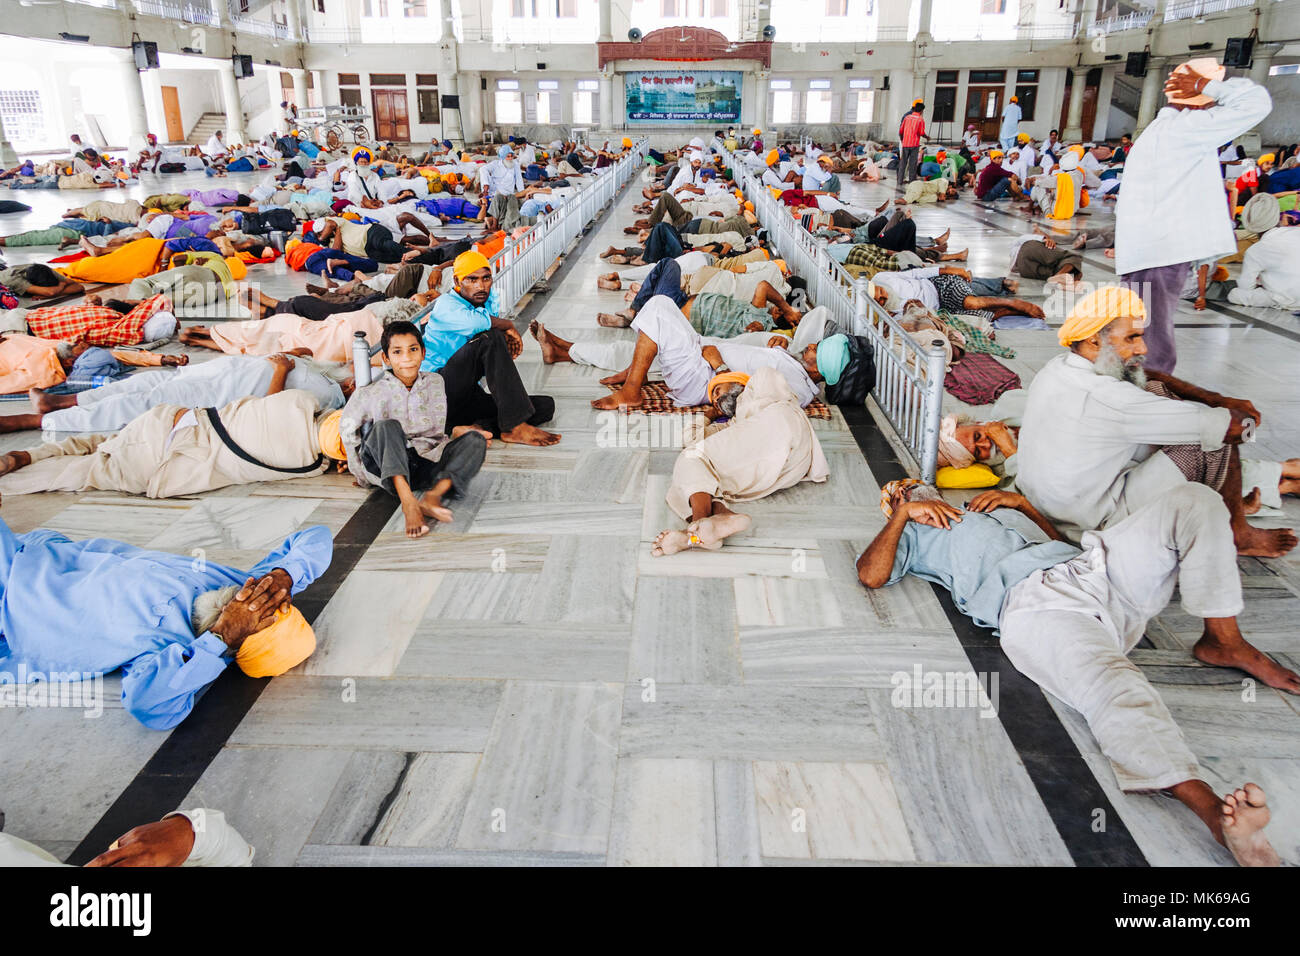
(1283,124)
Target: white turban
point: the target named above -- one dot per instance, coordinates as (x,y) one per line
(951,451)
(1261,213)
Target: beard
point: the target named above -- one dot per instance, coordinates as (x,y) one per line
(1109,363)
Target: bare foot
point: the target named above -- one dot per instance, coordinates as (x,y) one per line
(605,282)
(1264,542)
(1245,814)
(1244,656)
(959,256)
(616,258)
(432,507)
(1011,285)
(45,403)
(613,320)
(526,434)
(618,378)
(623,398)
(1250,503)
(944,238)
(416,527)
(669,542)
(175,361)
(13,461)
(714,530)
(554,349)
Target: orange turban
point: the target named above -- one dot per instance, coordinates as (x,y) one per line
(1097,310)
(726,378)
(627,142)
(468,262)
(286,643)
(331,442)
(772,157)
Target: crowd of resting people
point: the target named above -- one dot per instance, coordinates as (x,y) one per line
(1115,481)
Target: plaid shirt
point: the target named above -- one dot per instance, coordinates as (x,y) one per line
(977,340)
(95,324)
(869,259)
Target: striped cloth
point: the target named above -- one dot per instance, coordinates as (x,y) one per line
(977,340)
(867,259)
(95,324)
(654,395)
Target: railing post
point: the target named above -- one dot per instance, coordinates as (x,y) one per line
(934,368)
(861,305)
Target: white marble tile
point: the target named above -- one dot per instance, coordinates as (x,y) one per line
(846,811)
(663,814)
(359,636)
(236,524)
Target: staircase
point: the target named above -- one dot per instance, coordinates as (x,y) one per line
(208,124)
(1126,94)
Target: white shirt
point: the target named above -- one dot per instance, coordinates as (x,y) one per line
(1088,442)
(747,359)
(527,156)
(214,146)
(911,284)
(686,176)
(972,140)
(1028,155)
(502,180)
(814,177)
(362,185)
(1171,209)
(1271,263)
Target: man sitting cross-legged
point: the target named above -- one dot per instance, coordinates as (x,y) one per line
(1069,618)
(768,445)
(395,431)
(688,363)
(1096,444)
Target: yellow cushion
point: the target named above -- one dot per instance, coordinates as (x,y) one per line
(972,476)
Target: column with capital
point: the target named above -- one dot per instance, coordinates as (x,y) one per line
(234,107)
(137,117)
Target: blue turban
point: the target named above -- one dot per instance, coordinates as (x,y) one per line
(832,356)
(447,143)
(504,151)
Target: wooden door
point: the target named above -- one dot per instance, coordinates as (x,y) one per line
(1090,88)
(392,122)
(172,111)
(984,109)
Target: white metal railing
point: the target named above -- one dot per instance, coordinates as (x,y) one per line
(263,28)
(1196,8)
(523,261)
(909,379)
(1131,21)
(198,13)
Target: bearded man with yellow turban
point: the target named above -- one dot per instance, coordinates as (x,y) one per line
(466,340)
(171,624)
(1097,443)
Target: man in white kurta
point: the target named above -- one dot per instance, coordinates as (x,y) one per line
(1270,270)
(214,842)
(1089,445)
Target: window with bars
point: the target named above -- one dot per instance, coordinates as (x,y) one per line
(945,104)
(23,116)
(349,89)
(387,79)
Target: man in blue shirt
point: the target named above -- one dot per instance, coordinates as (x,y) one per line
(1069,617)
(80,608)
(466,340)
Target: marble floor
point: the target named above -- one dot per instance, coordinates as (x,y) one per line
(527,685)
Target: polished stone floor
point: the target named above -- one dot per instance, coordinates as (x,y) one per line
(527,685)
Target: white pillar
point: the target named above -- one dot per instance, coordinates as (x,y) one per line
(449,85)
(471,107)
(900,101)
(1087,17)
(918,85)
(1153,85)
(923,24)
(1260,66)
(607,100)
(234,107)
(294,16)
(620,103)
(606,24)
(761,98)
(299,88)
(1073,131)
(133,97)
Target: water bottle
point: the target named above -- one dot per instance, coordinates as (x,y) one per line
(360,359)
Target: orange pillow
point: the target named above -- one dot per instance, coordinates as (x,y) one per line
(492,245)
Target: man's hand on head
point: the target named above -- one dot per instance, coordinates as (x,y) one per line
(252,609)
(987,501)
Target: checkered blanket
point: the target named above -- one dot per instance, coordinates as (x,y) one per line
(656,402)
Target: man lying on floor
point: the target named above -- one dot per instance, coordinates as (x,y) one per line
(688,363)
(767,445)
(170,450)
(1068,619)
(1097,444)
(170,623)
(209,384)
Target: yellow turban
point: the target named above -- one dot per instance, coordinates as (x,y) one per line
(286,643)
(331,442)
(627,142)
(749,206)
(757,131)
(1097,310)
(359,153)
(772,157)
(995,154)
(292,244)
(1267,158)
(468,262)
(740,195)
(726,378)
(1022,137)
(917,102)
(1077,149)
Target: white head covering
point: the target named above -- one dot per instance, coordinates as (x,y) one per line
(1069,162)
(951,451)
(1261,213)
